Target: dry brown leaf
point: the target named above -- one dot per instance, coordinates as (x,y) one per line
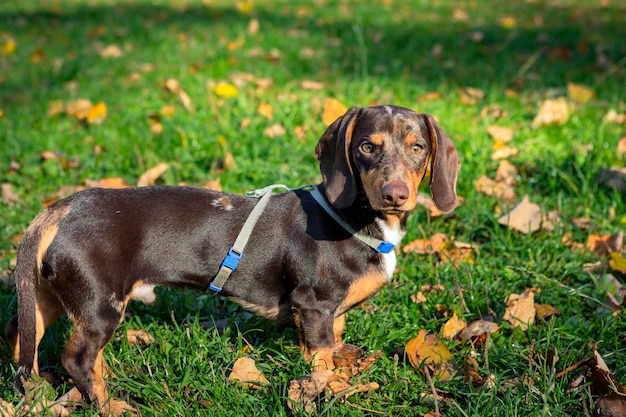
(173,86)
(215,184)
(500,133)
(139,337)
(274,130)
(351,389)
(56,107)
(506,173)
(452,327)
(429,204)
(303,391)
(525,217)
(253,26)
(496,189)
(6,409)
(150,176)
(504,152)
(603,245)
(610,405)
(430,96)
(579,93)
(418,297)
(351,360)
(551,221)
(79,108)
(333,109)
(426,246)
(111,51)
(471,96)
(107,183)
(478,329)
(9,197)
(458,253)
(338,382)
(621,147)
(552,111)
(311,85)
(613,116)
(603,380)
(470,371)
(520,308)
(583,223)
(428,354)
(245,371)
(493,111)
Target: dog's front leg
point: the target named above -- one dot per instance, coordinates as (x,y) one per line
(317,327)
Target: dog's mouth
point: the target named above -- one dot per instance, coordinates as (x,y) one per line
(392,211)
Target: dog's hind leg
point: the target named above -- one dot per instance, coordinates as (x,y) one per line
(83,355)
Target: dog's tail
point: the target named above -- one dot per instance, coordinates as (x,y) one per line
(26,281)
(26,273)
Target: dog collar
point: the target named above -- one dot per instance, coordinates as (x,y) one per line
(376,244)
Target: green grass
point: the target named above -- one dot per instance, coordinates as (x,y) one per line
(364,53)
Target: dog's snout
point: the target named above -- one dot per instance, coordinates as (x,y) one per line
(395,193)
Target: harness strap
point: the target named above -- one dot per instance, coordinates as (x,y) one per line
(376,244)
(236,251)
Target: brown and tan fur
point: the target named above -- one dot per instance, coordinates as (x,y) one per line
(86,256)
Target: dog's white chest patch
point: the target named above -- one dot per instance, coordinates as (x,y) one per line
(393,234)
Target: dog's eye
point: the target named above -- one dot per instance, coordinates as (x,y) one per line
(417,149)
(367,147)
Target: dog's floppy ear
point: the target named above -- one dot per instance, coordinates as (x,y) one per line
(333,153)
(444,167)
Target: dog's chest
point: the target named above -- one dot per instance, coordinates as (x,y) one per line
(393,233)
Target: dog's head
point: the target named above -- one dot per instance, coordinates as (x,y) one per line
(385,150)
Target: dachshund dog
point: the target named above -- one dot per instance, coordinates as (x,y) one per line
(87,255)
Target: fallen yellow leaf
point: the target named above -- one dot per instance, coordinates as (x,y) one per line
(500,133)
(150,176)
(79,108)
(333,109)
(452,327)
(9,47)
(520,308)
(428,354)
(545,310)
(245,371)
(604,245)
(579,93)
(96,114)
(525,217)
(107,183)
(266,109)
(553,111)
(618,262)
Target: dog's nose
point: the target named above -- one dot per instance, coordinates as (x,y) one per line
(395,193)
